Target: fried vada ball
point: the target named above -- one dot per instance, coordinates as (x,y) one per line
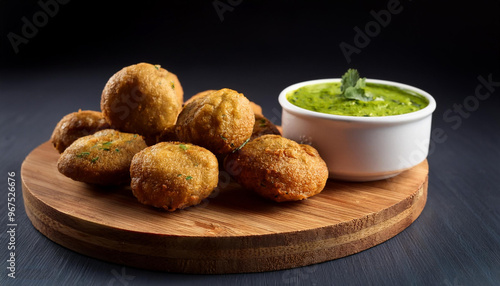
(278,168)
(142,98)
(220,121)
(257,109)
(263,126)
(102,158)
(173,175)
(75,125)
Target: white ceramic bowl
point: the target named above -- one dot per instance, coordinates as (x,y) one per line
(361,148)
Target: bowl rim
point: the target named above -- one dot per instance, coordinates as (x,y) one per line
(426,111)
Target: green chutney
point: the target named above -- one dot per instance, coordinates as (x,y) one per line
(387,100)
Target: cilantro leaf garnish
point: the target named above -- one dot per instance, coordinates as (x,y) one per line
(353,86)
(183,147)
(83,154)
(349,79)
(105,146)
(241,146)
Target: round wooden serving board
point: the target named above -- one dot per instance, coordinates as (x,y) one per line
(232,231)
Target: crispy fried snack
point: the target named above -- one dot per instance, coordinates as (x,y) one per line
(220,121)
(173,175)
(278,168)
(75,125)
(102,158)
(257,109)
(143,99)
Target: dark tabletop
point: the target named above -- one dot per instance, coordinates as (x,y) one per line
(58,60)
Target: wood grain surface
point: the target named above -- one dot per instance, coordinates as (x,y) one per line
(233,231)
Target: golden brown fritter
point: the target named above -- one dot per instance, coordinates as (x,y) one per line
(257,109)
(278,168)
(263,126)
(75,125)
(102,158)
(220,121)
(143,99)
(173,175)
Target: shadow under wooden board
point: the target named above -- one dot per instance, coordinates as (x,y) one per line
(233,231)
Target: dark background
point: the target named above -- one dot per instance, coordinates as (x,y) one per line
(259,48)
(258,42)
